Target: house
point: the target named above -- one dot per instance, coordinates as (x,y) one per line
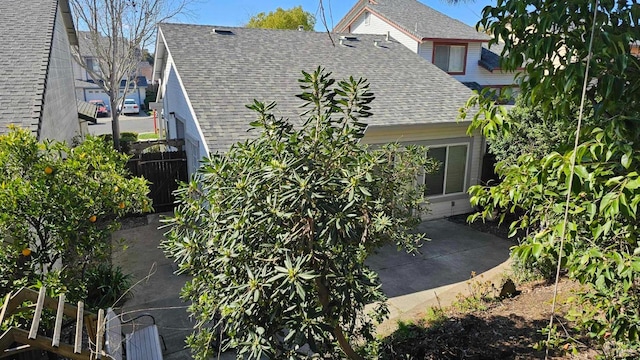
(208,74)
(451,45)
(86,87)
(36,77)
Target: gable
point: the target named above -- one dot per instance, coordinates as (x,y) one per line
(414,19)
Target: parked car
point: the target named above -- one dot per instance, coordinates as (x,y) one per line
(103,109)
(130,106)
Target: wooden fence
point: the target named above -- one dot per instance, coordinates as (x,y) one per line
(163,170)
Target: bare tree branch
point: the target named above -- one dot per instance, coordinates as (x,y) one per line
(116,32)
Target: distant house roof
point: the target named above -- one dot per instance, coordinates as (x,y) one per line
(25,38)
(223,73)
(414,18)
(87,111)
(489,60)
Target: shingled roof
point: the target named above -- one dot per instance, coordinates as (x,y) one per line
(25,38)
(414,18)
(223,73)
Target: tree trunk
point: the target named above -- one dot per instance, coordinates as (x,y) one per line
(115,124)
(323,293)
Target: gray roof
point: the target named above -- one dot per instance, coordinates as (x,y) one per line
(489,59)
(25,42)
(416,19)
(223,73)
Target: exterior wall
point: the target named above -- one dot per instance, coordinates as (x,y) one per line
(437,135)
(60,114)
(497,77)
(176,106)
(79,73)
(378,26)
(473,71)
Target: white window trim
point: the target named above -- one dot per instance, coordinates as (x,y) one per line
(446,164)
(367,18)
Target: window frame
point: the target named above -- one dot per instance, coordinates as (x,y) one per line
(446,165)
(449,44)
(367,18)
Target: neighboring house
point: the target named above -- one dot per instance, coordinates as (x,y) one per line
(87,89)
(207,75)
(36,77)
(453,46)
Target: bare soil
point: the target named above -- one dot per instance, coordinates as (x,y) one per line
(498,329)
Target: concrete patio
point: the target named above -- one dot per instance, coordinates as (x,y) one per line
(412,282)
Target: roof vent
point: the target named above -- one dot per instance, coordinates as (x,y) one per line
(222,32)
(300,27)
(348,38)
(375,43)
(388,38)
(341,41)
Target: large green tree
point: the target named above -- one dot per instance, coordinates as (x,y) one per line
(599,219)
(58,207)
(275,232)
(283,19)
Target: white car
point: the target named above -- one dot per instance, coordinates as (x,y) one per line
(130,106)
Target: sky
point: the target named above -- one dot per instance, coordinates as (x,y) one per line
(238,12)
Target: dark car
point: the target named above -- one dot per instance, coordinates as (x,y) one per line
(103,109)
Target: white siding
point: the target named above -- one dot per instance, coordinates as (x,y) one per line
(378,26)
(437,135)
(496,77)
(426,50)
(473,71)
(176,102)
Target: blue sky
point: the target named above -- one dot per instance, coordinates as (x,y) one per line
(238,12)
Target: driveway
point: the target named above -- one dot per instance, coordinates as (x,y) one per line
(141,123)
(411,281)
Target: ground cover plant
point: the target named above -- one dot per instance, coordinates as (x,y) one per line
(275,232)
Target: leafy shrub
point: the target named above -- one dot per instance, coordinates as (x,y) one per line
(106,286)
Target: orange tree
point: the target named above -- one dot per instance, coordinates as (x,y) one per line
(275,232)
(59,205)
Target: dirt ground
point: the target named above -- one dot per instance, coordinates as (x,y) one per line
(499,329)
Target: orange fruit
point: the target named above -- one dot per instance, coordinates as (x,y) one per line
(93,218)
(121,205)
(26,251)
(48,170)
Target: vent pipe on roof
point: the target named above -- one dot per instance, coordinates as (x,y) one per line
(300,27)
(342,41)
(375,43)
(388,38)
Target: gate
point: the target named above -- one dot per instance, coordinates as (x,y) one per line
(164,170)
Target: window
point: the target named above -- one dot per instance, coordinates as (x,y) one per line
(367,18)
(93,64)
(450,58)
(450,177)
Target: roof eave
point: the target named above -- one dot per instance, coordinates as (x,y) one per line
(350,17)
(67,19)
(455,40)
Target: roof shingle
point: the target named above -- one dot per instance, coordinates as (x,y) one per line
(24,54)
(223,73)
